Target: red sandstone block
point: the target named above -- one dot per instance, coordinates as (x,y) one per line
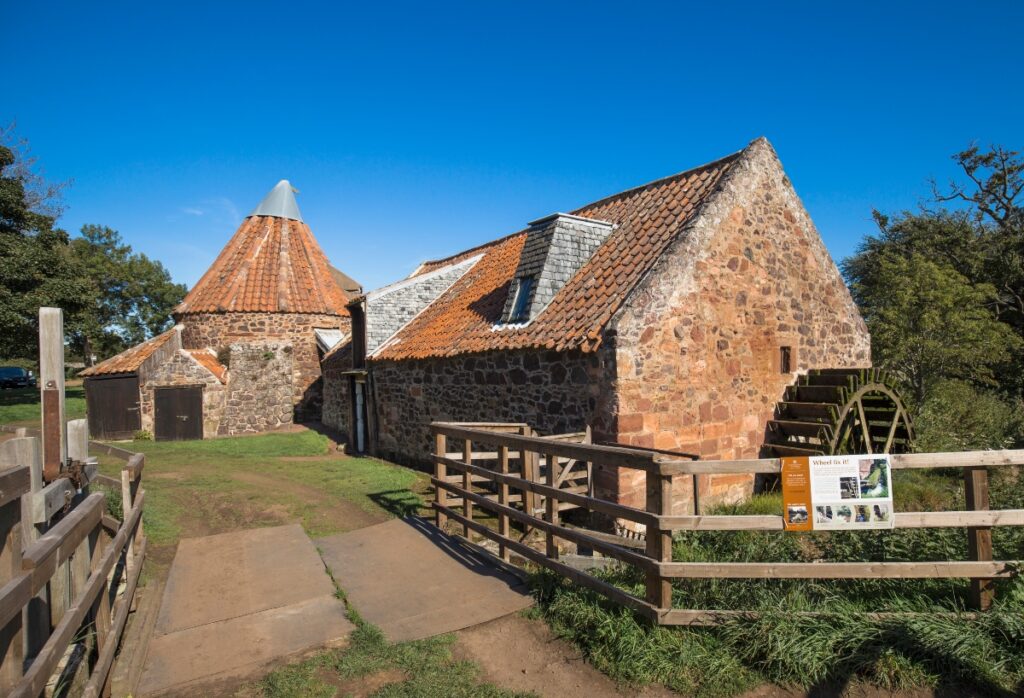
(666,440)
(629,423)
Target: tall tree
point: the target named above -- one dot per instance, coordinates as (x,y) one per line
(36,264)
(976,229)
(929,323)
(994,194)
(130,296)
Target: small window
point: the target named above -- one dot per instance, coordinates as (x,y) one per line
(521,305)
(785,360)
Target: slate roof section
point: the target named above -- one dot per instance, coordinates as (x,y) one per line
(129,360)
(390,308)
(272,265)
(465,319)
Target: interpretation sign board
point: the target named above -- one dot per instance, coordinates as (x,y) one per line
(837,493)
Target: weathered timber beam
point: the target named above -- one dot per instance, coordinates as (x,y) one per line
(14,482)
(574,535)
(612,592)
(900,461)
(610,508)
(52,652)
(835,570)
(606,455)
(904,519)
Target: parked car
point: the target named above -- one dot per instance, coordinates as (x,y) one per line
(16,377)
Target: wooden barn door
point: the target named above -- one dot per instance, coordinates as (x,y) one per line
(178,413)
(112,406)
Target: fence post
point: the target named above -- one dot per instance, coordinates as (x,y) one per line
(503,524)
(126,510)
(552,507)
(78,440)
(25,450)
(51,377)
(979,538)
(12,653)
(467,485)
(441,475)
(529,459)
(659,542)
(100,611)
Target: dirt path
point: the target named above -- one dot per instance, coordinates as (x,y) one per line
(522,654)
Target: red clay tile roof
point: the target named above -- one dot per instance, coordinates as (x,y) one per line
(462,319)
(273,265)
(206,359)
(129,360)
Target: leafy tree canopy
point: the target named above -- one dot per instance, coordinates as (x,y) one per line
(36,265)
(942,292)
(929,323)
(112,298)
(130,297)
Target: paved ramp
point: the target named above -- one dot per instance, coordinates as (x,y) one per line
(412,581)
(236,602)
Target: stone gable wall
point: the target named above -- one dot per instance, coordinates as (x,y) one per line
(219,330)
(180,369)
(259,395)
(698,345)
(551,391)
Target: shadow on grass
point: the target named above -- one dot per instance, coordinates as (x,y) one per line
(400,503)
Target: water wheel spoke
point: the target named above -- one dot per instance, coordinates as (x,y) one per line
(835,411)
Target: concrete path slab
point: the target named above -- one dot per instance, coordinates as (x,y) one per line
(412,581)
(236,602)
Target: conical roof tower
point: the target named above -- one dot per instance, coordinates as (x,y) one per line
(272,264)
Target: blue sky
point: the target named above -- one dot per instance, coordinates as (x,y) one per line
(415,130)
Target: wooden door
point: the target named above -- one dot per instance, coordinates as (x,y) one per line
(112,406)
(178,413)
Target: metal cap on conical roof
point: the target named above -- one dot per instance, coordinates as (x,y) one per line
(280,203)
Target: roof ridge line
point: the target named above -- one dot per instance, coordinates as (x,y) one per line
(662,180)
(576,211)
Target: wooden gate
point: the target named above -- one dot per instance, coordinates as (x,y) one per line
(112,404)
(178,413)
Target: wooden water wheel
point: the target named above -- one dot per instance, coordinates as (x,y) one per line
(840,410)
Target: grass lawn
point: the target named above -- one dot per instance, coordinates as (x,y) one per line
(196,488)
(203,487)
(372,666)
(934,649)
(21,406)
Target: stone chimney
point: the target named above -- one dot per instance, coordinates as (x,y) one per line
(557,246)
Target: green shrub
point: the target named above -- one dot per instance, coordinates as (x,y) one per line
(811,633)
(956,416)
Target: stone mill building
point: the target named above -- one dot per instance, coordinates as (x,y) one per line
(670,316)
(244,355)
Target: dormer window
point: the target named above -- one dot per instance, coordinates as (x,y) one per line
(521,304)
(556,247)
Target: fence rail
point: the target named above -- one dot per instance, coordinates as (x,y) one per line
(68,570)
(519,477)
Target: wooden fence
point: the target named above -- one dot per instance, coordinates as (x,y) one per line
(68,570)
(518,477)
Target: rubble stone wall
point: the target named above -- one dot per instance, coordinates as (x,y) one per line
(699,343)
(220,330)
(259,395)
(180,369)
(551,391)
(337,391)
